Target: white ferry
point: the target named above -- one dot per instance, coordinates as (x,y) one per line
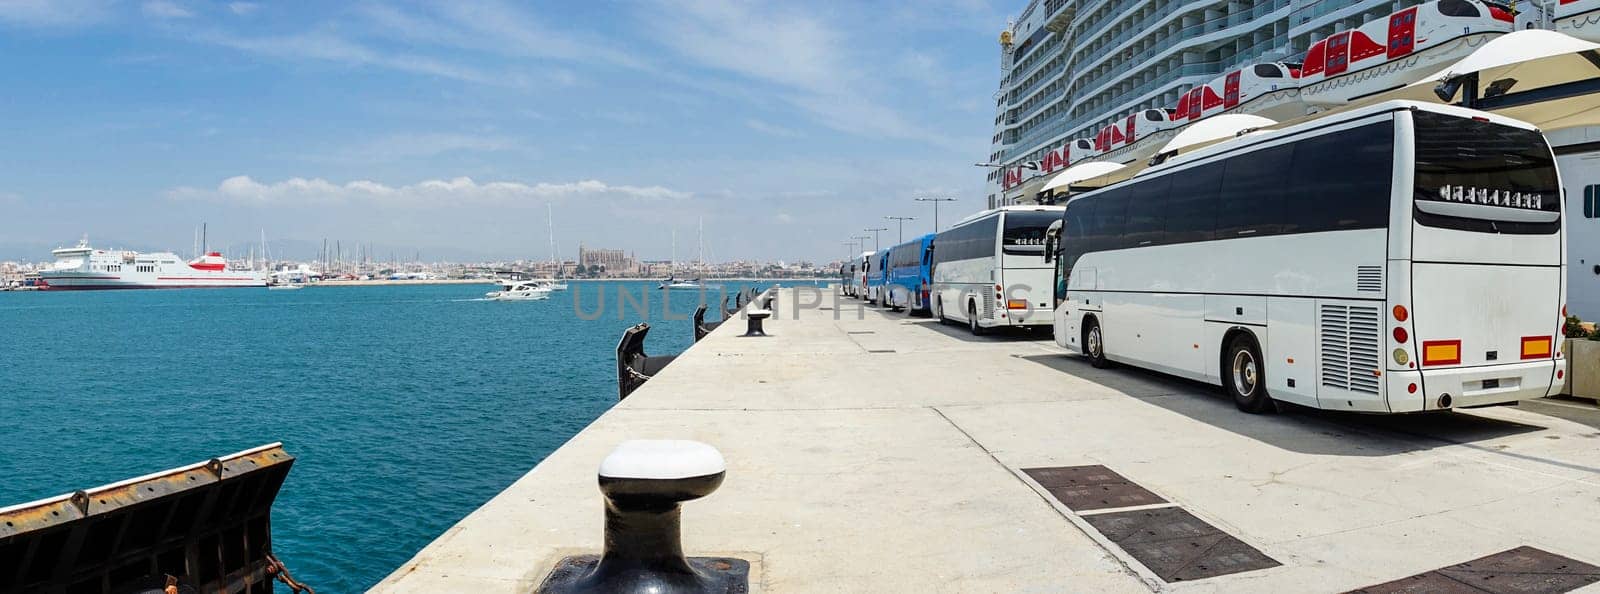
(83,267)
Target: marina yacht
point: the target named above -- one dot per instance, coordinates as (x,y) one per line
(683,285)
(521,291)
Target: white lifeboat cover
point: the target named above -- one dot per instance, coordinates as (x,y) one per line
(1215,128)
(1080,172)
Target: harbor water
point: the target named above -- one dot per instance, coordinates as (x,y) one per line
(405,406)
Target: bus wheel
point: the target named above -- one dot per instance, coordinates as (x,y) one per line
(972,320)
(1094,344)
(1243,375)
(938,310)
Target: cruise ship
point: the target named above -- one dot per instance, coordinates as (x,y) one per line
(1081,79)
(83,267)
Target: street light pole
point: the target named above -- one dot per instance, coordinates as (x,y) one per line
(935,202)
(861,239)
(875,245)
(902,222)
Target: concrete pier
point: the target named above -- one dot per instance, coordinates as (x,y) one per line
(871,452)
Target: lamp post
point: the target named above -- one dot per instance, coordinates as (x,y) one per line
(902,222)
(862,239)
(935,202)
(875,245)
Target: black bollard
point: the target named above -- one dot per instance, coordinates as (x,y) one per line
(644,483)
(754,318)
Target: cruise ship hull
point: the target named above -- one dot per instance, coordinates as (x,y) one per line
(98,283)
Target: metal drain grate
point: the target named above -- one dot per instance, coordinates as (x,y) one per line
(1520,570)
(881,351)
(1083,488)
(861,332)
(1177,546)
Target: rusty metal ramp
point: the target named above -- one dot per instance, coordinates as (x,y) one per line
(203,527)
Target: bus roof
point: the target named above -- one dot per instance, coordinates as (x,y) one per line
(983,213)
(1269,133)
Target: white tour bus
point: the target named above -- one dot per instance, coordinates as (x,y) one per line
(1395,258)
(859,279)
(989,270)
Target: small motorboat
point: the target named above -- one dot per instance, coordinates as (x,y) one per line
(521,291)
(286,287)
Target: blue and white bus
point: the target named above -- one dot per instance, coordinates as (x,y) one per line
(989,270)
(1395,258)
(910,275)
(875,276)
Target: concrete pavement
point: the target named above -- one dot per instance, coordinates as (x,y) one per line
(884,453)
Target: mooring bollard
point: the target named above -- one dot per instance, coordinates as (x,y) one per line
(755,317)
(644,483)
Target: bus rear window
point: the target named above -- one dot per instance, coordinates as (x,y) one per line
(1024,232)
(1480,176)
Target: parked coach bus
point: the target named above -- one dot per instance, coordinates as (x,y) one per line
(875,276)
(1395,258)
(909,275)
(858,282)
(990,269)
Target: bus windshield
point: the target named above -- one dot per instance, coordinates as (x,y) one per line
(1025,230)
(1474,175)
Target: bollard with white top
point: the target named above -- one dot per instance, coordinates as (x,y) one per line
(644,483)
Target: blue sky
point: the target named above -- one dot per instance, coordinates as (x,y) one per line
(447,127)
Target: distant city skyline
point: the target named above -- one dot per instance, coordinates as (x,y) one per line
(451,125)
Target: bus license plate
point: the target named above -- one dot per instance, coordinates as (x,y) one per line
(1491,383)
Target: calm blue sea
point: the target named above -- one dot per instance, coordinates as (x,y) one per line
(406,407)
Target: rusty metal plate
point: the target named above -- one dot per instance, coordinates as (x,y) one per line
(1085,488)
(1177,546)
(1104,496)
(1062,476)
(1519,570)
(1427,583)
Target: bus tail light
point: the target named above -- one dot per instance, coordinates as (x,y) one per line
(1400,313)
(1441,352)
(1016,304)
(1535,347)
(1400,335)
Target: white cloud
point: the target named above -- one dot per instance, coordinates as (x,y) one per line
(164,9)
(54,13)
(797,51)
(773,129)
(243,8)
(322,46)
(434,192)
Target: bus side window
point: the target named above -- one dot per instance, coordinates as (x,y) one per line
(1192,204)
(1341,180)
(1110,215)
(1147,212)
(1251,201)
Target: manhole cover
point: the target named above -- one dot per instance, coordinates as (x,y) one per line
(1177,546)
(1520,570)
(1083,488)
